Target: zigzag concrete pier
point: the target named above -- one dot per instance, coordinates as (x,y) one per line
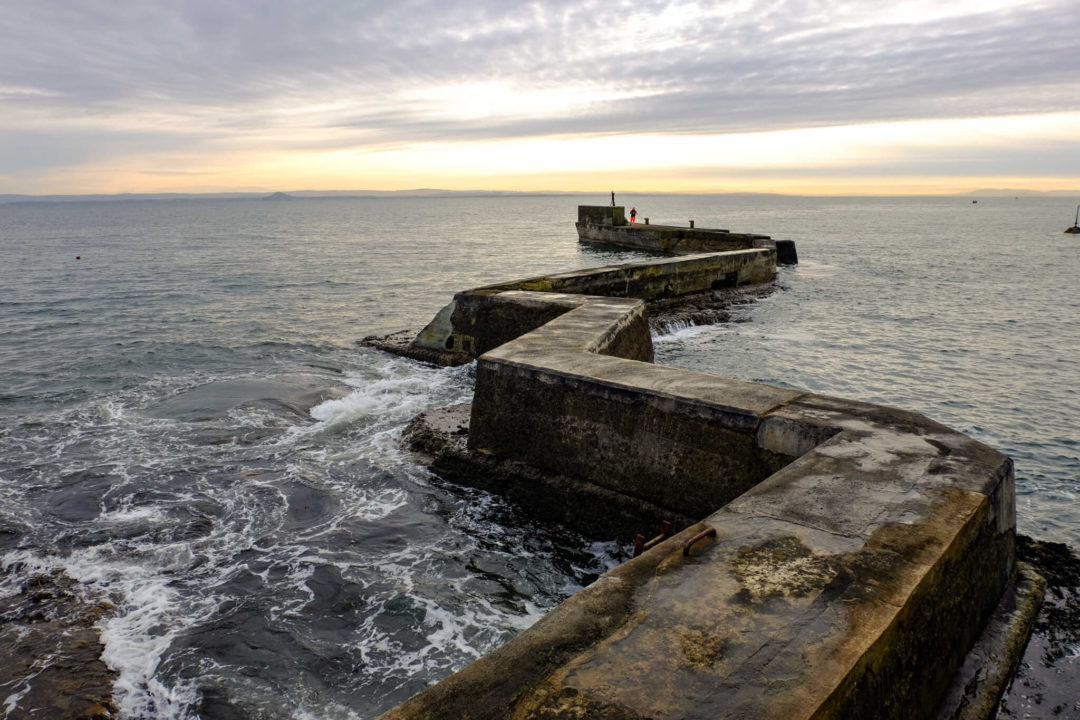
(833,558)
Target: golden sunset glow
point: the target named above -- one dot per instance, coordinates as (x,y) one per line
(744,97)
(880,158)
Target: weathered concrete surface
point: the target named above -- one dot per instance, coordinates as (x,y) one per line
(606,225)
(481,319)
(977,688)
(663,314)
(670,238)
(786,254)
(618,423)
(858,550)
(609,215)
(440,437)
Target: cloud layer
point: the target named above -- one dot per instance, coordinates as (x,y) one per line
(99,79)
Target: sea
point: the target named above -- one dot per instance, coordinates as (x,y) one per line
(190,430)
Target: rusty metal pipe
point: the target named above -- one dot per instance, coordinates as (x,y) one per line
(665,532)
(710,533)
(641,545)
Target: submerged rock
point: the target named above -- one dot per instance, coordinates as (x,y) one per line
(290,397)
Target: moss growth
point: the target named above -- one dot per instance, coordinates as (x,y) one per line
(780,568)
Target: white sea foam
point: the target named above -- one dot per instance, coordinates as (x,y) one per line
(136,639)
(399,390)
(377,504)
(677,331)
(130,514)
(150,615)
(110,410)
(11,702)
(350,464)
(331,711)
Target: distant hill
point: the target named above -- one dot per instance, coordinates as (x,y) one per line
(124,197)
(291,195)
(602,196)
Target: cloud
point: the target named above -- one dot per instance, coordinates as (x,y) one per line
(294,75)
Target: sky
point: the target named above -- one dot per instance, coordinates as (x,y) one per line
(799,96)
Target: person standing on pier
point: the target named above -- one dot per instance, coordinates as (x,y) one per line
(633,215)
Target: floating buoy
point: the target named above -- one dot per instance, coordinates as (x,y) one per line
(78,257)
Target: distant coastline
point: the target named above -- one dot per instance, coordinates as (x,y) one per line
(436,193)
(263,194)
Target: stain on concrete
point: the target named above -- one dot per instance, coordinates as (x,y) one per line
(783,567)
(700,649)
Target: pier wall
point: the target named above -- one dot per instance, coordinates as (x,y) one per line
(670,239)
(607,226)
(480,319)
(622,424)
(848,557)
(609,215)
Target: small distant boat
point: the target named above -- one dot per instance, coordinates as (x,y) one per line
(974,202)
(1075,229)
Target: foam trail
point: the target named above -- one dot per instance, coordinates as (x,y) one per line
(150,616)
(400,390)
(677,331)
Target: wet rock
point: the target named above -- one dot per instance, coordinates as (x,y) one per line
(289,396)
(9,537)
(401,343)
(53,667)
(216,704)
(79,496)
(1047,683)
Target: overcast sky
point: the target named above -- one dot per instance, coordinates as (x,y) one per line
(789,95)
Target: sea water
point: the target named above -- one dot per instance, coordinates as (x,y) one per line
(189,429)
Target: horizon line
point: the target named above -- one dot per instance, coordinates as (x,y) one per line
(11,198)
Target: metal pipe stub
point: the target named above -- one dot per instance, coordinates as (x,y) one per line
(710,533)
(641,545)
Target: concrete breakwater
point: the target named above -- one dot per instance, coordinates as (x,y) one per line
(829,558)
(483,318)
(606,225)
